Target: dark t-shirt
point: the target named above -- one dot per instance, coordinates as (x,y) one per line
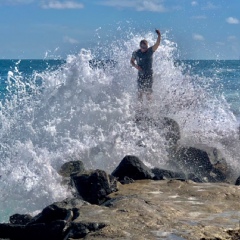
(144,60)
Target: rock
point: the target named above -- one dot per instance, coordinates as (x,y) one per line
(160,174)
(193,160)
(58,211)
(132,167)
(80,230)
(52,231)
(145,209)
(12,231)
(71,167)
(126,180)
(20,219)
(192,176)
(237,181)
(235,234)
(94,186)
(172,131)
(50,214)
(51,224)
(171,209)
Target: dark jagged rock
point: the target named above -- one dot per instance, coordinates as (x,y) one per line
(132,167)
(161,174)
(126,180)
(58,211)
(49,214)
(80,230)
(192,176)
(52,231)
(12,231)
(172,131)
(71,167)
(94,186)
(20,219)
(237,181)
(51,224)
(193,160)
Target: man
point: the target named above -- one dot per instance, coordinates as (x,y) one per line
(143,58)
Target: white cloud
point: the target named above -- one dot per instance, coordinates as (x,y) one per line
(54,4)
(199,17)
(139,5)
(232,20)
(70,40)
(232,38)
(152,7)
(198,37)
(194,3)
(210,6)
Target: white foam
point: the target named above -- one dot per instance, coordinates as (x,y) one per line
(87,114)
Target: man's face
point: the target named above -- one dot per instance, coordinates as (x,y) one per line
(143,47)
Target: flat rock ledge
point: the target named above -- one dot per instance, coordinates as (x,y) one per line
(137,203)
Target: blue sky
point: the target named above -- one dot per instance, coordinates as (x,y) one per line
(202,29)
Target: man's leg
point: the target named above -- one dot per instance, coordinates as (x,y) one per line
(140,96)
(149,97)
(140,93)
(149,90)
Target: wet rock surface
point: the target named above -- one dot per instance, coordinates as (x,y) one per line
(144,209)
(189,210)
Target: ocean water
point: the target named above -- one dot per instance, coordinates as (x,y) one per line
(53,111)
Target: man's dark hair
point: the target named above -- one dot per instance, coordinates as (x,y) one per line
(145,42)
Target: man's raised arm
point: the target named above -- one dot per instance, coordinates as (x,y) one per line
(156,45)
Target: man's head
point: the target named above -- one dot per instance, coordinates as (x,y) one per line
(144,45)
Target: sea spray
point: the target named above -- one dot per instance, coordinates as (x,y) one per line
(81,112)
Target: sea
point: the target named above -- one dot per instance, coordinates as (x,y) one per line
(83,108)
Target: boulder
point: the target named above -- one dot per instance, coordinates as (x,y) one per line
(132,167)
(172,132)
(20,219)
(93,186)
(80,230)
(71,167)
(237,183)
(193,160)
(52,231)
(64,210)
(162,174)
(126,180)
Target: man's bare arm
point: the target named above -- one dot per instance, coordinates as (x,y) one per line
(132,61)
(156,45)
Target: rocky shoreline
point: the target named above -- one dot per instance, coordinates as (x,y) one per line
(134,202)
(196,200)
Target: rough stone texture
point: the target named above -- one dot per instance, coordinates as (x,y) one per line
(52,223)
(192,160)
(161,174)
(132,167)
(71,167)
(172,132)
(201,163)
(150,210)
(126,180)
(52,231)
(145,209)
(64,210)
(237,181)
(21,219)
(81,229)
(94,186)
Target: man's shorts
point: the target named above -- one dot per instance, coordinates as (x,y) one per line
(145,83)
